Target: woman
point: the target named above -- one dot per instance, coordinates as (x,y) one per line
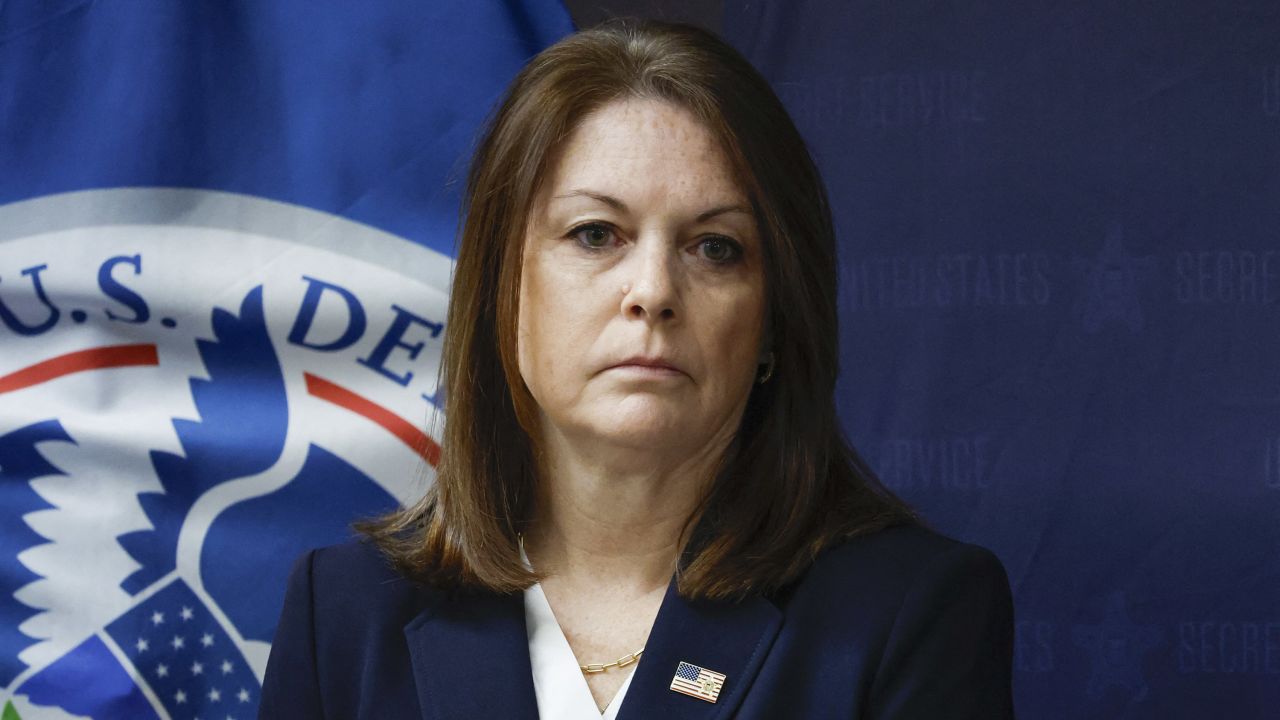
(645,507)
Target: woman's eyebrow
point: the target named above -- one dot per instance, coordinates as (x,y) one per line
(612,202)
(620,206)
(721,210)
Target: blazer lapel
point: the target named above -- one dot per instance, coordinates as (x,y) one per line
(728,638)
(471,658)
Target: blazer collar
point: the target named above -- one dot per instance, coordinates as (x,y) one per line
(470,656)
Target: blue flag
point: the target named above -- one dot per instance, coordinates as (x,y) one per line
(226,238)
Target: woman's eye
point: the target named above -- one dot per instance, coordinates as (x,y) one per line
(720,249)
(592,235)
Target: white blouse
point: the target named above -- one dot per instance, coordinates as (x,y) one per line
(558,681)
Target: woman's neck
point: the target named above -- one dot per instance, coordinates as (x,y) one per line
(609,520)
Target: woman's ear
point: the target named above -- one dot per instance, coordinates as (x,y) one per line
(765,370)
(766,360)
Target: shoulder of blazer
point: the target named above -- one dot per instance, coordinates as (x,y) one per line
(911,601)
(354,582)
(880,569)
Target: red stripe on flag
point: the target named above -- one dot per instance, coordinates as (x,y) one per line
(79,361)
(417,440)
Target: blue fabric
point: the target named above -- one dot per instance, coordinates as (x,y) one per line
(22,463)
(1060,308)
(102,687)
(173,640)
(246,117)
(902,624)
(367,110)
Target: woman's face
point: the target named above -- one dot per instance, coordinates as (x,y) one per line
(642,299)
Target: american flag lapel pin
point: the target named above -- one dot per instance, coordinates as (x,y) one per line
(697,682)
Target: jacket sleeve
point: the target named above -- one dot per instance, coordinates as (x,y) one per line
(291,687)
(950,652)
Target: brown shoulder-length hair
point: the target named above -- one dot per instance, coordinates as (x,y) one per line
(792,485)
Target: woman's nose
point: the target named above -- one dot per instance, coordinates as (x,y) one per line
(650,289)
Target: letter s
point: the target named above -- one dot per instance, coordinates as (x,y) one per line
(121,294)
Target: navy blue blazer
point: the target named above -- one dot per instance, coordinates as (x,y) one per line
(902,624)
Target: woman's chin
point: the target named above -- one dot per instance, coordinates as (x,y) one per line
(641,425)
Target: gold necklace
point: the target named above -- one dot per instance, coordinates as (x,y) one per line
(623,661)
(591,668)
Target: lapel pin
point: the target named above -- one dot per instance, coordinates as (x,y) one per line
(697,682)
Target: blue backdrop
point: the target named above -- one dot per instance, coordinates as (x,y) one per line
(1061,306)
(1060,257)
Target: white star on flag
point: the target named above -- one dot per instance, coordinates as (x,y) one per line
(182,668)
